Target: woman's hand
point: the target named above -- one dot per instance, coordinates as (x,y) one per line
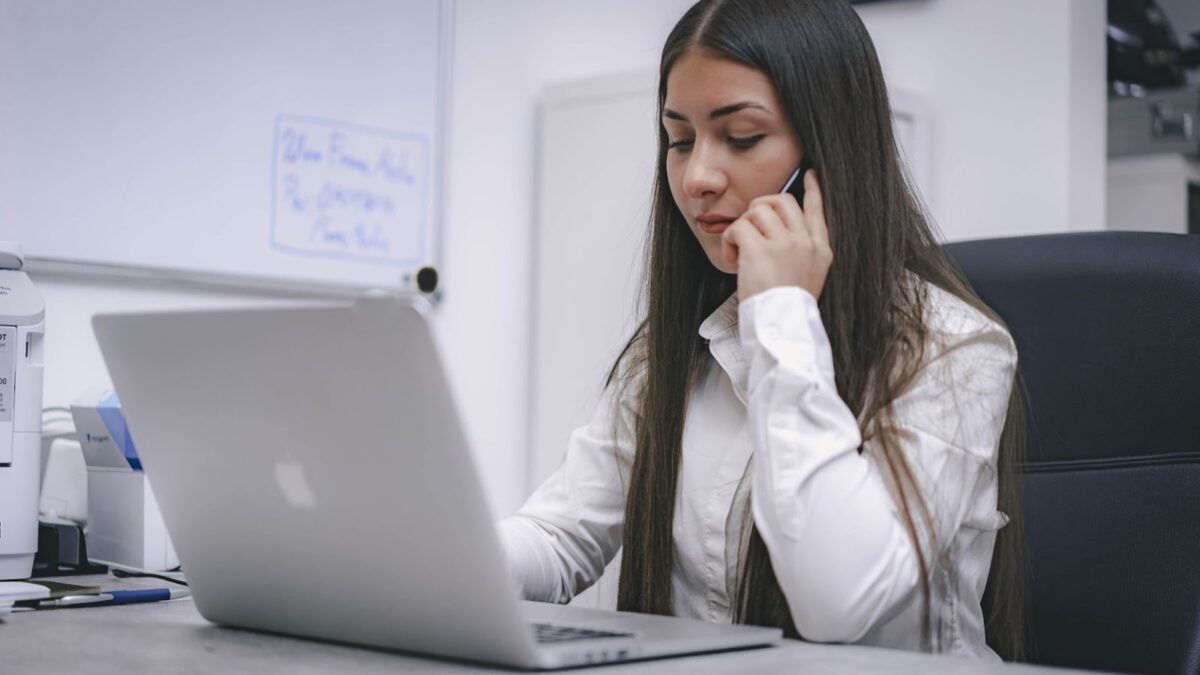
(775,243)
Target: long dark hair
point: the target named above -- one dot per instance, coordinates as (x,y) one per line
(826,73)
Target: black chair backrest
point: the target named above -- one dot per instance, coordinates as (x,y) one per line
(1108,329)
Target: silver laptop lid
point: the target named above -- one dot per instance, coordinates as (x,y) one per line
(314,476)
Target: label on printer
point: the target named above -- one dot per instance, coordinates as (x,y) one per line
(8,368)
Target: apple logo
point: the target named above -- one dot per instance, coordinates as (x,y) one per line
(289,475)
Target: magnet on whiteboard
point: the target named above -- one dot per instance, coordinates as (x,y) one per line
(427,279)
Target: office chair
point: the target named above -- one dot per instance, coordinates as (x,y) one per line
(1107,325)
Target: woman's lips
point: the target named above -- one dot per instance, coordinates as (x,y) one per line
(714,224)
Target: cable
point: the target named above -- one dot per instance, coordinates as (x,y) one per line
(122,573)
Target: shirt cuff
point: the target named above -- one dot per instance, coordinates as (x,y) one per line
(785,322)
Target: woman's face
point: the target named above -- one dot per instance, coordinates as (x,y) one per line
(729,143)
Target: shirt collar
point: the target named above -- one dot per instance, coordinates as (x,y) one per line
(720,329)
(723,319)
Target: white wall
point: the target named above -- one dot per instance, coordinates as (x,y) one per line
(1002,143)
(505,53)
(1017,95)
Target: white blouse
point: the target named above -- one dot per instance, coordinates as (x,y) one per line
(766,430)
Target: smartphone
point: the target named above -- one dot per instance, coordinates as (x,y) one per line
(795,184)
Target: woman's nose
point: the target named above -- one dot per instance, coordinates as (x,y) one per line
(703,175)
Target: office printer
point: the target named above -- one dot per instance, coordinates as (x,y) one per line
(22,327)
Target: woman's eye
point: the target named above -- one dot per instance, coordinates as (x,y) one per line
(744,142)
(681,144)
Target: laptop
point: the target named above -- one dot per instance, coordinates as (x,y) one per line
(316,481)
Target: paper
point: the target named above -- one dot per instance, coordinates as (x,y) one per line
(12,591)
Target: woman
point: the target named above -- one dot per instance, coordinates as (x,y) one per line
(811,427)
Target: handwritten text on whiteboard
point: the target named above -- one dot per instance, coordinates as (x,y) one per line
(342,190)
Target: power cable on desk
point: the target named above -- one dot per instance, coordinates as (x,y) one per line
(122,573)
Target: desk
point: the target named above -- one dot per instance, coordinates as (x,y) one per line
(172,637)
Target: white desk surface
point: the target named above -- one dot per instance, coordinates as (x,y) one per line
(172,637)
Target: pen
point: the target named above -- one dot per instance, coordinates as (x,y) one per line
(117,598)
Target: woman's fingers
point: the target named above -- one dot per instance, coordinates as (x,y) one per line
(764,215)
(739,236)
(789,212)
(778,243)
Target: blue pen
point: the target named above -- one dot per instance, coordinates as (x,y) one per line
(118,597)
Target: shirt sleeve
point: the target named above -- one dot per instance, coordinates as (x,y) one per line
(559,542)
(836,540)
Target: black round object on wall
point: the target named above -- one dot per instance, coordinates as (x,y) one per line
(427,279)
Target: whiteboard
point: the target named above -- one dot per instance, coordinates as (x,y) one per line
(267,141)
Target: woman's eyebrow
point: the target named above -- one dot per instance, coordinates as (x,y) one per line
(719,112)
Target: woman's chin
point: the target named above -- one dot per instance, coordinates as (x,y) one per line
(722,265)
